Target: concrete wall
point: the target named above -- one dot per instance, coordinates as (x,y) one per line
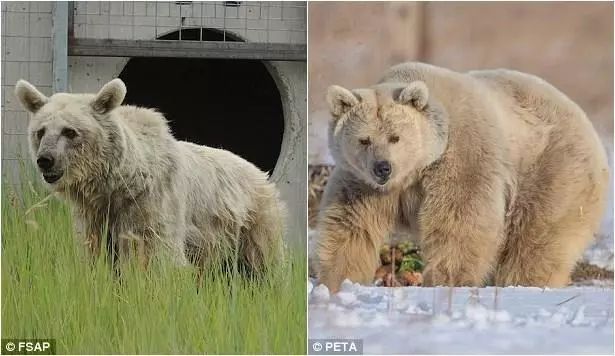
(290,174)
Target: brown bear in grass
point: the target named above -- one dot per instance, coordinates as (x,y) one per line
(500,175)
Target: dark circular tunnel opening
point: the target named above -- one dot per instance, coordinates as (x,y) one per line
(231,104)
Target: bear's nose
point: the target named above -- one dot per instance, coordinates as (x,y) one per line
(382,169)
(45,161)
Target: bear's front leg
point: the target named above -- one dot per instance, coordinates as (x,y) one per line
(351,231)
(457,258)
(346,252)
(136,245)
(92,234)
(461,228)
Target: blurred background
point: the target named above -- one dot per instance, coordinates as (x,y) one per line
(569,44)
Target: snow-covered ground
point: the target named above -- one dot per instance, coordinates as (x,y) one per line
(411,320)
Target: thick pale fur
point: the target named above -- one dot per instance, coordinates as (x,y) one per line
(125,173)
(501,178)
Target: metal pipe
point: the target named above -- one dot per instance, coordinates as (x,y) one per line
(60,46)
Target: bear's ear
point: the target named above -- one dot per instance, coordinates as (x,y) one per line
(340,100)
(415,94)
(109,97)
(31,99)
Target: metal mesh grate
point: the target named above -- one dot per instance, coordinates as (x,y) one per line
(26,54)
(254,21)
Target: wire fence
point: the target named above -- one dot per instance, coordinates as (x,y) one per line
(254,21)
(26,53)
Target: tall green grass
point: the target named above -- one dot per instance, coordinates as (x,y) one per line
(49,290)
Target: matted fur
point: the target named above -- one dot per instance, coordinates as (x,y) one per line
(125,175)
(498,175)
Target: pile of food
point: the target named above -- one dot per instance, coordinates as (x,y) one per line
(402,265)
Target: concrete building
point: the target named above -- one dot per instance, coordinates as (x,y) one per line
(227,74)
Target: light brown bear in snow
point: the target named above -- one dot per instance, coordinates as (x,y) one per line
(501,177)
(125,175)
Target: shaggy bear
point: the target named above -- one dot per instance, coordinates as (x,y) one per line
(129,181)
(499,176)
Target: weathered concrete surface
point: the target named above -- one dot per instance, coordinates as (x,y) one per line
(187,49)
(290,173)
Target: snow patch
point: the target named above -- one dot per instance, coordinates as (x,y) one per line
(320,294)
(476,320)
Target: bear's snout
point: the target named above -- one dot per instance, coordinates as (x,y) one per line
(45,161)
(382,170)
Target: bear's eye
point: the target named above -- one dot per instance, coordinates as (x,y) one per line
(69,133)
(365,141)
(40,133)
(393,139)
